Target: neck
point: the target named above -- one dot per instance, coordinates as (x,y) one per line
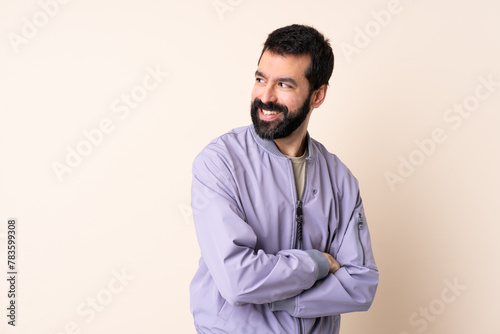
(295,144)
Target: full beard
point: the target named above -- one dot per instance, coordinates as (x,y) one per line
(278,128)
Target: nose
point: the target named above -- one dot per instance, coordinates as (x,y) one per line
(269,94)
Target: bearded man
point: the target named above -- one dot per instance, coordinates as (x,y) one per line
(284,243)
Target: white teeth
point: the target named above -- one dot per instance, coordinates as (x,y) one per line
(267,112)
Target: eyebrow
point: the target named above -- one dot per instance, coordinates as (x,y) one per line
(284,79)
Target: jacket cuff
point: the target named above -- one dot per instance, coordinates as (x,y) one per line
(287,305)
(321,261)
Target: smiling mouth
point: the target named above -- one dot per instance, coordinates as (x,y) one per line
(268,113)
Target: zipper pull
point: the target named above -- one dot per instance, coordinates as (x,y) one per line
(299,208)
(360,221)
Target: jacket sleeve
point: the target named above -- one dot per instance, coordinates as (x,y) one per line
(241,273)
(352,287)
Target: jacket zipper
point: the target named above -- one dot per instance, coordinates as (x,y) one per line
(360,227)
(299,218)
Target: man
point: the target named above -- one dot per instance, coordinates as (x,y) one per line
(284,243)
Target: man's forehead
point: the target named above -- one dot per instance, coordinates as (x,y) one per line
(273,64)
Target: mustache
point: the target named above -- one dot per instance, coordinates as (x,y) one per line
(271,106)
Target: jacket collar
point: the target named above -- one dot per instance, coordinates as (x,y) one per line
(270,146)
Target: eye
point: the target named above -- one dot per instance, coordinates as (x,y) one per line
(284,85)
(259,80)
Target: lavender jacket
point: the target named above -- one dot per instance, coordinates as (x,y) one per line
(261,269)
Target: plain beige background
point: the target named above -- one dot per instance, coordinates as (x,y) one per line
(122,210)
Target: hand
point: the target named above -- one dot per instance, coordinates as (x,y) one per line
(334,265)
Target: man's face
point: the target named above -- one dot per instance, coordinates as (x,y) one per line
(281,96)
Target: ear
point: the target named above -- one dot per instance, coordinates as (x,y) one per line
(319,96)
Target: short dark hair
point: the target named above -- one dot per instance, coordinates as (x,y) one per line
(297,40)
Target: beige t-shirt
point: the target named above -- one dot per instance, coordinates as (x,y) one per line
(299,172)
